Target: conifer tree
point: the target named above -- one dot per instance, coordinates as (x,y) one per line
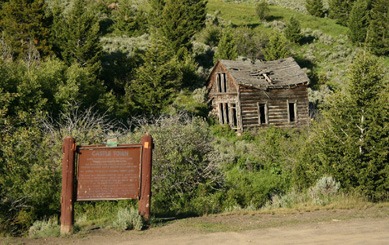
(129,19)
(156,82)
(377,38)
(350,142)
(76,34)
(315,7)
(340,10)
(293,30)
(180,20)
(25,25)
(155,14)
(277,47)
(226,49)
(358,21)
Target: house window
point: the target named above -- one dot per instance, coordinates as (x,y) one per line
(292,111)
(228,114)
(221,83)
(234,117)
(262,113)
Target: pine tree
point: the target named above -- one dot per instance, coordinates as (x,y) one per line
(277,47)
(156,82)
(128,19)
(315,7)
(340,10)
(226,49)
(358,21)
(76,34)
(351,141)
(293,30)
(155,14)
(377,37)
(24,25)
(180,20)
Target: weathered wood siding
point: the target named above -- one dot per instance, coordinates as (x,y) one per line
(241,106)
(277,102)
(229,96)
(212,85)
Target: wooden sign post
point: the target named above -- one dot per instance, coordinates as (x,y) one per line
(67,192)
(105,173)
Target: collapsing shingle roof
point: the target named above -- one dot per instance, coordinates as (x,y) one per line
(270,74)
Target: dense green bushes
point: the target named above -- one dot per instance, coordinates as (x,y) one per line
(183,161)
(198,167)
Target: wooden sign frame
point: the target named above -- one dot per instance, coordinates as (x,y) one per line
(96,167)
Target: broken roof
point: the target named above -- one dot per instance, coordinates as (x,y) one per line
(267,74)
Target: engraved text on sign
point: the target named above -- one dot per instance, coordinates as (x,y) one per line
(108,173)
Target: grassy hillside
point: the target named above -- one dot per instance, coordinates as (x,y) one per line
(244,14)
(327,55)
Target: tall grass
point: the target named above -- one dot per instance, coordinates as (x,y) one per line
(243,13)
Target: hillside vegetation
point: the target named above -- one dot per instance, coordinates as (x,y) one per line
(103,69)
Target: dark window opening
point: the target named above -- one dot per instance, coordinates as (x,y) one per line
(262,114)
(221,116)
(224,83)
(234,116)
(292,112)
(228,114)
(221,80)
(219,83)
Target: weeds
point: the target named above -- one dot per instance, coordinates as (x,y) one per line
(128,219)
(44,228)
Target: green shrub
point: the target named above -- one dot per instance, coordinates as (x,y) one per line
(45,228)
(262,9)
(251,189)
(128,219)
(324,189)
(183,159)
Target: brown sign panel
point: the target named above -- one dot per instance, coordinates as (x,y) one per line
(107,173)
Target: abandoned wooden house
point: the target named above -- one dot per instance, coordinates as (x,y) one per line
(246,95)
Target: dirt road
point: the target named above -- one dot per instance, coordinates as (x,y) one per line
(351,226)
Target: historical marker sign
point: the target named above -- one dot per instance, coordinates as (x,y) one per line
(106,173)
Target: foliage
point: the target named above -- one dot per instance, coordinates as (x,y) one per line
(31,176)
(293,30)
(128,219)
(157,82)
(315,7)
(358,21)
(340,10)
(25,28)
(227,48)
(44,228)
(348,142)
(128,19)
(183,160)
(249,42)
(377,37)
(76,34)
(325,191)
(277,47)
(325,188)
(193,103)
(252,178)
(155,13)
(262,10)
(211,35)
(180,20)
